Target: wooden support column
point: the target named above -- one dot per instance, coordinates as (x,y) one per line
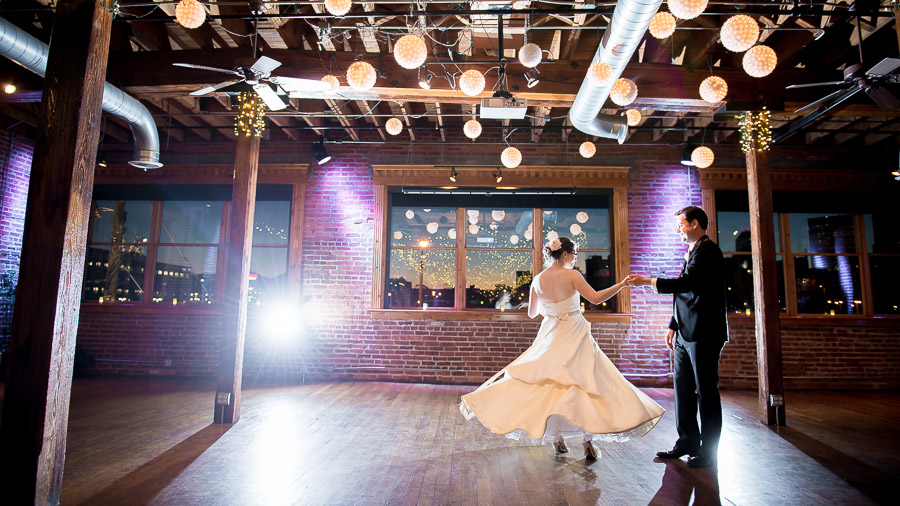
(765,289)
(48,298)
(237,274)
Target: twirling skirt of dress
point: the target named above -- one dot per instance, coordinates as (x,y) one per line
(562,385)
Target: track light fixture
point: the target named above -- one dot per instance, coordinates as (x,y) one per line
(686,155)
(425,80)
(453,174)
(532,78)
(498,175)
(321,154)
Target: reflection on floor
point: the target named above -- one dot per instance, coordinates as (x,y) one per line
(151,442)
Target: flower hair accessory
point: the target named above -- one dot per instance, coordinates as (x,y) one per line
(555,244)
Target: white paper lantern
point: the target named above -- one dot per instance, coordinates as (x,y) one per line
(472,129)
(511,157)
(760,61)
(393,126)
(623,92)
(687,9)
(432,227)
(332,81)
(410,51)
(587,149)
(662,25)
(471,82)
(739,33)
(514,239)
(494,225)
(498,214)
(530,55)
(575,229)
(552,236)
(582,217)
(633,117)
(600,73)
(713,89)
(338,7)
(410,214)
(528,234)
(473,229)
(361,76)
(398,235)
(190,13)
(451,233)
(702,157)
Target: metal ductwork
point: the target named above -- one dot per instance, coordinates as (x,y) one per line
(626,29)
(22,48)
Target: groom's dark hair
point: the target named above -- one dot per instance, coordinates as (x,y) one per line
(692,213)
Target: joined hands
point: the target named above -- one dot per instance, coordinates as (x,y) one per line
(636,280)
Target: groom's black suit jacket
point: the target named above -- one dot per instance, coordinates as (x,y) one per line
(699,295)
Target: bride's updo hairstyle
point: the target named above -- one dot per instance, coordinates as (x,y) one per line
(561,245)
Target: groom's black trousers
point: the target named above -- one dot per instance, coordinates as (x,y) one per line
(697,385)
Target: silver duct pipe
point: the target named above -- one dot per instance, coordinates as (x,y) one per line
(626,29)
(20,47)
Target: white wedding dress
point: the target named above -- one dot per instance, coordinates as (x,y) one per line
(563,384)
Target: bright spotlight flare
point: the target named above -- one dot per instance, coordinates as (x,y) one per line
(283,321)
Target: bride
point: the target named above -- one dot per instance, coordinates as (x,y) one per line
(563,384)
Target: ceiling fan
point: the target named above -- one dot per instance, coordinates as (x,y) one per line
(258,77)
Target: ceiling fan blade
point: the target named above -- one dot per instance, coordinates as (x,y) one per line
(297,84)
(884,67)
(822,100)
(809,118)
(810,85)
(215,87)
(265,65)
(885,98)
(268,95)
(204,67)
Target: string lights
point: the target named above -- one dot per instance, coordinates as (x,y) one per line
(755,128)
(251,111)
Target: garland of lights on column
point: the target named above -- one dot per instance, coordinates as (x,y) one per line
(749,125)
(251,111)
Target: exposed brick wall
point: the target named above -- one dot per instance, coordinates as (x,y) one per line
(343,342)
(15,157)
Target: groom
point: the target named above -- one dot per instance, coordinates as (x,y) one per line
(697,333)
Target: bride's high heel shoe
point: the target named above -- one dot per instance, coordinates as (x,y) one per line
(559,444)
(590,451)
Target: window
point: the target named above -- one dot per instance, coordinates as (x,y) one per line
(168,241)
(441,242)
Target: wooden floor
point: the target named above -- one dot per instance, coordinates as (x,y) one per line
(151,442)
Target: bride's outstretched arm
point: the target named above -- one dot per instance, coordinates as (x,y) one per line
(534,303)
(592,295)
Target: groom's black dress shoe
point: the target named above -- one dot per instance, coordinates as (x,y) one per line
(701,461)
(674,453)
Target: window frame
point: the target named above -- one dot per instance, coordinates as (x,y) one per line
(522,177)
(712,180)
(292,175)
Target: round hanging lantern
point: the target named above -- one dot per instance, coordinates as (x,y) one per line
(361,76)
(623,92)
(739,33)
(527,235)
(494,225)
(702,157)
(410,214)
(514,239)
(410,51)
(451,233)
(760,61)
(190,13)
(552,236)
(338,7)
(332,81)
(600,73)
(393,126)
(471,82)
(687,9)
(432,227)
(662,25)
(511,157)
(582,217)
(587,149)
(713,89)
(398,235)
(530,55)
(633,117)
(575,229)
(498,214)
(473,229)
(472,129)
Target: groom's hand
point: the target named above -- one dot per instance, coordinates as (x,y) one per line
(670,339)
